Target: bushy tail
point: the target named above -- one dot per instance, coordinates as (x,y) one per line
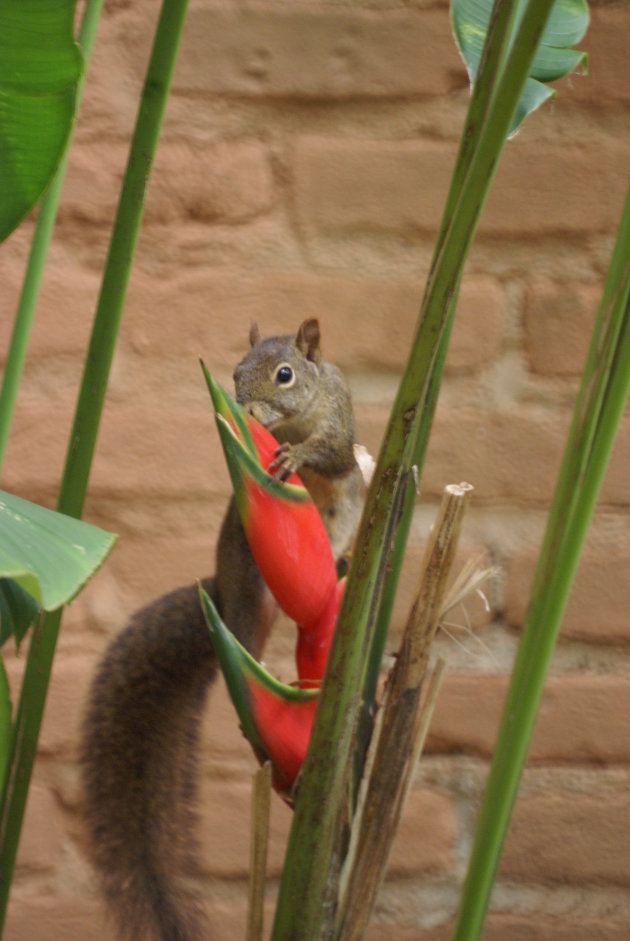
(139,754)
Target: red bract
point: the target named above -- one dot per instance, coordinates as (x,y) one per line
(285,729)
(313,644)
(292,550)
(266,446)
(283,527)
(277,719)
(287,537)
(291,547)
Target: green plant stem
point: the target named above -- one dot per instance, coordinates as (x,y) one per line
(491,64)
(25,313)
(307,891)
(89,408)
(599,408)
(402,534)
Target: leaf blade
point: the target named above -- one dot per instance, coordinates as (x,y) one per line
(49,555)
(554,59)
(40,67)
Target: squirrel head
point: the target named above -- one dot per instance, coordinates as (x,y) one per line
(279,379)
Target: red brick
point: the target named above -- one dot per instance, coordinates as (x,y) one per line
(563,837)
(539,927)
(224,830)
(101,606)
(225,181)
(73,290)
(478,327)
(139,449)
(361,186)
(559,320)
(378,314)
(600,599)
(42,837)
(427,835)
(607,58)
(93,181)
(510,454)
(110,99)
(227,913)
(582,717)
(380,930)
(615,488)
(39,918)
(147,566)
(67,693)
(317,53)
(559,199)
(476,611)
(425,843)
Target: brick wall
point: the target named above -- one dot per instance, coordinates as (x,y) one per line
(303,168)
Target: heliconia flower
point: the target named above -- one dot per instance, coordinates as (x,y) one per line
(283,527)
(275,718)
(314,643)
(236,417)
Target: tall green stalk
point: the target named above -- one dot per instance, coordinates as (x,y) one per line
(16,356)
(307,889)
(491,65)
(598,411)
(88,412)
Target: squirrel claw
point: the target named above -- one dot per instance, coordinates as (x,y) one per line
(283,465)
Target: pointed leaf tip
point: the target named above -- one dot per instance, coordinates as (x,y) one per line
(275,718)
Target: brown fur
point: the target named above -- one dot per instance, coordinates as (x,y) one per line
(141,730)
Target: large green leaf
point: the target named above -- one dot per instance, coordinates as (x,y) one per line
(40,65)
(554,59)
(49,555)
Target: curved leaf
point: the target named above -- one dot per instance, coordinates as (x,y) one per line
(48,554)
(276,719)
(40,65)
(18,610)
(554,59)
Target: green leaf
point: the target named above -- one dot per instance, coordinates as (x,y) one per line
(240,670)
(40,66)
(225,406)
(242,466)
(5,723)
(18,610)
(49,555)
(554,59)
(232,658)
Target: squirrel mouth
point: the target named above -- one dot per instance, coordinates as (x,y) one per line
(263,413)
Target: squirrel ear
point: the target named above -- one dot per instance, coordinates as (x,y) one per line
(254,334)
(307,340)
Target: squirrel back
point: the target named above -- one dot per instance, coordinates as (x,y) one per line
(141,731)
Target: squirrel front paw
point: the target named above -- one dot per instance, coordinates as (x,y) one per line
(286,461)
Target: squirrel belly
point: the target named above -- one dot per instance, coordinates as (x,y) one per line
(140,738)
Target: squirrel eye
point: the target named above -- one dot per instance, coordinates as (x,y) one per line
(284,375)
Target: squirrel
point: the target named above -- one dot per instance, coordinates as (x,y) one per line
(141,730)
